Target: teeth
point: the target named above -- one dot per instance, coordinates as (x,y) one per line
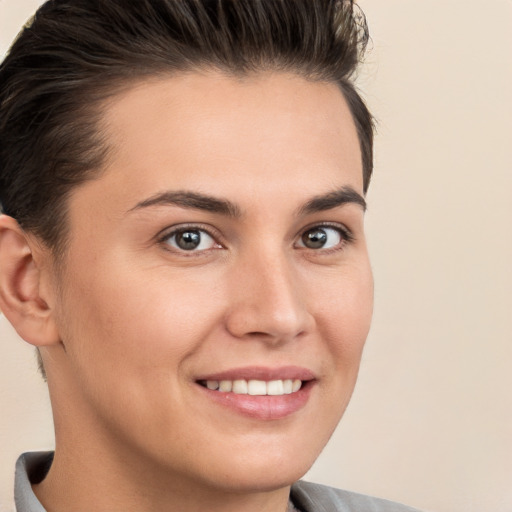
(240,387)
(225,385)
(275,387)
(256,387)
(287,386)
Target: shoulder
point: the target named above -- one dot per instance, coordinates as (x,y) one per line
(311,497)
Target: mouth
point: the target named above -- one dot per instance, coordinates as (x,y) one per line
(260,393)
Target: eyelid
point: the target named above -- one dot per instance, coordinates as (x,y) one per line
(214,233)
(168,232)
(346,233)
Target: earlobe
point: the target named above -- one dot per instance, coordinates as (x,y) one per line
(20,298)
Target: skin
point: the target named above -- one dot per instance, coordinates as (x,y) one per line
(130,321)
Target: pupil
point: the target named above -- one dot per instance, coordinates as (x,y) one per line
(188,240)
(315,239)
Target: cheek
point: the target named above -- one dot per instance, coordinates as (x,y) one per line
(345,315)
(129,349)
(139,320)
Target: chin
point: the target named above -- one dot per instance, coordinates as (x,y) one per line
(266,470)
(265,478)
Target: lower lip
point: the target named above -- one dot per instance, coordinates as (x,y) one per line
(264,407)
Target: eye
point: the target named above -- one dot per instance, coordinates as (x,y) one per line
(190,239)
(323,237)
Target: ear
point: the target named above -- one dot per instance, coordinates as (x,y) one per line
(20,290)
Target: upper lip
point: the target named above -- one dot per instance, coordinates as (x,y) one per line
(261,373)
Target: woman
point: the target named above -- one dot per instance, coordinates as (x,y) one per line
(183,193)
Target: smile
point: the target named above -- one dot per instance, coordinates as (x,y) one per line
(254,387)
(259,392)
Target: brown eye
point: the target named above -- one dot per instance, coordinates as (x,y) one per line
(323,237)
(191,240)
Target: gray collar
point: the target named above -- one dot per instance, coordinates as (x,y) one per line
(36,464)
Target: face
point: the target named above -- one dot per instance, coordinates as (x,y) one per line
(216,293)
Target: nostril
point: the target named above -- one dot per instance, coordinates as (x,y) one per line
(258,334)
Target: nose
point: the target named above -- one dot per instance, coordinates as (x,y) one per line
(268,301)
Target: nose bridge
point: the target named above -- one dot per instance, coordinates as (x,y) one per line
(268,299)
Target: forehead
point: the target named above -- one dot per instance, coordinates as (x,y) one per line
(219,134)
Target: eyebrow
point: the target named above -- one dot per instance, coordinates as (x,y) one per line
(197,201)
(334,199)
(194,200)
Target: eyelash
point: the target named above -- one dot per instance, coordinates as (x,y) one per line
(346,238)
(346,235)
(167,234)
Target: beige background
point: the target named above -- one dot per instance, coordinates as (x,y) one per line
(430,422)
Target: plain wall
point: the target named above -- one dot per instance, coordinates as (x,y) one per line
(430,422)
